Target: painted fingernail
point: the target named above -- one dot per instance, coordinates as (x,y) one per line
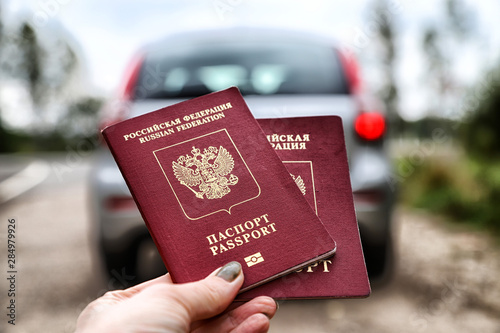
(277,305)
(230,271)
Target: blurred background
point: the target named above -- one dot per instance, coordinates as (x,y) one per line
(432,67)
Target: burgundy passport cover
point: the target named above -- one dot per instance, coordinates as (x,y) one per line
(313,151)
(211,190)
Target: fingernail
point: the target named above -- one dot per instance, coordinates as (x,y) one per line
(230,271)
(277,308)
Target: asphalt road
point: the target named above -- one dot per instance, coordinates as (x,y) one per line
(446,278)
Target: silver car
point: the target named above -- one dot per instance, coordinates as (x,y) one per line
(281,74)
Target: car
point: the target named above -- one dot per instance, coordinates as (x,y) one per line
(281,73)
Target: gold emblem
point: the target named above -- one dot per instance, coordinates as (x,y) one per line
(210,177)
(300,183)
(254,259)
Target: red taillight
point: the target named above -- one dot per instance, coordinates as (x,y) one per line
(352,71)
(368,197)
(370,125)
(116,204)
(118,109)
(127,90)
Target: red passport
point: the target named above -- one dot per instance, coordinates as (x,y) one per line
(211,190)
(313,150)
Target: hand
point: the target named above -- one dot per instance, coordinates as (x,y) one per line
(160,306)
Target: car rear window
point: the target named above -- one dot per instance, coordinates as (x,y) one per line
(256,68)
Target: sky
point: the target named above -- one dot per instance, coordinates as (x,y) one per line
(106,34)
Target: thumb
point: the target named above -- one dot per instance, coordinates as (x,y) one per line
(209,297)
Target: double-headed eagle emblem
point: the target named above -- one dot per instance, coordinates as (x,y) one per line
(300,183)
(209,177)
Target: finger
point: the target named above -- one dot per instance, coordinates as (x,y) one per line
(229,321)
(166,278)
(129,292)
(262,304)
(258,323)
(211,296)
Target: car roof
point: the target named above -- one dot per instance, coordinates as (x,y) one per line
(239,33)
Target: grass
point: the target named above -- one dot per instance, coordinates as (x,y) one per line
(462,189)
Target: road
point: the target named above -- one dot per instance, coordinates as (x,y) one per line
(446,278)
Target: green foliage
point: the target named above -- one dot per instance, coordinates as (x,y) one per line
(424,128)
(81,120)
(467,188)
(464,189)
(480,134)
(13,142)
(79,124)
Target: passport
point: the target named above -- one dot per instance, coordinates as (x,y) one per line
(321,171)
(211,190)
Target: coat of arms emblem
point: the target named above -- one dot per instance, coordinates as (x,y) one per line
(300,183)
(208,174)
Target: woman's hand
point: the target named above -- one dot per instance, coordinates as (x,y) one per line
(161,306)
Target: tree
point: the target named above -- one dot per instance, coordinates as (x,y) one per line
(46,68)
(386,33)
(439,44)
(479,131)
(81,120)
(460,18)
(32,56)
(437,75)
